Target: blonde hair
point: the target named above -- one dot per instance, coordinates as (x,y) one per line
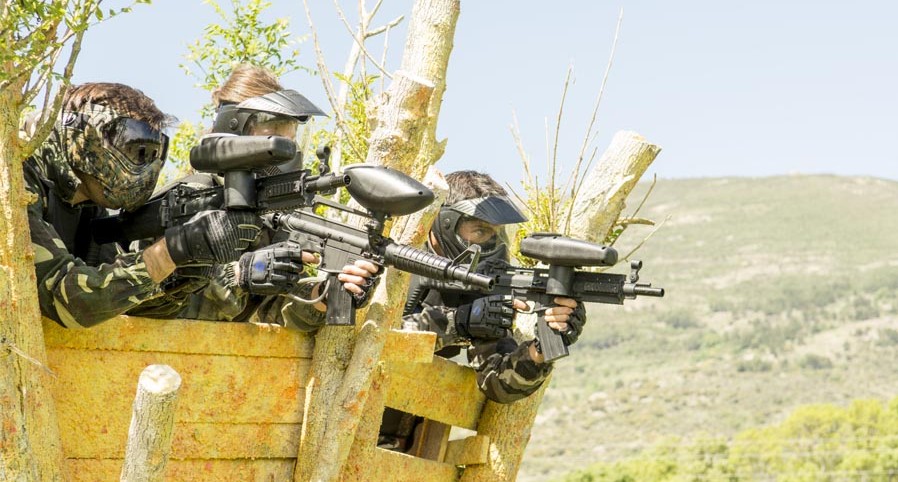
(244,82)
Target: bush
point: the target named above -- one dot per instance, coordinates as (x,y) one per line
(815,362)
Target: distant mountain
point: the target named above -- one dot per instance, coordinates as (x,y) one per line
(781,291)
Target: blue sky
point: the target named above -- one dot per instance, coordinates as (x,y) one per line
(726,88)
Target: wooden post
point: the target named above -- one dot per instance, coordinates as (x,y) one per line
(404,126)
(152,421)
(600,204)
(606,187)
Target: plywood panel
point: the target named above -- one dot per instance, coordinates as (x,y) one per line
(190,470)
(398,467)
(94,391)
(441,390)
(183,336)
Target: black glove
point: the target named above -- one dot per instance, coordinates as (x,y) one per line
(212,237)
(489,317)
(272,270)
(575,323)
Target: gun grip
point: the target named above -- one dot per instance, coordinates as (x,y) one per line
(340,309)
(550,343)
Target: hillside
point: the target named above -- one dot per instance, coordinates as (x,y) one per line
(780,292)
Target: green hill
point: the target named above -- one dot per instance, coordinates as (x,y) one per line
(781,292)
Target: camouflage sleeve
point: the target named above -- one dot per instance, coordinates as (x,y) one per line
(438,319)
(75,294)
(290,313)
(505,371)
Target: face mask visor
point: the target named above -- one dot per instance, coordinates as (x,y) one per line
(140,143)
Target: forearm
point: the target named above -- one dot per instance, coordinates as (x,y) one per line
(506,371)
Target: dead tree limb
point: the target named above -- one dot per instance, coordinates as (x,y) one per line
(403,137)
(152,423)
(604,193)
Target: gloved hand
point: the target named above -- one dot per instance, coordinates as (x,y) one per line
(567,318)
(489,317)
(215,236)
(272,270)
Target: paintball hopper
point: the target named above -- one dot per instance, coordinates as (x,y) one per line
(380,189)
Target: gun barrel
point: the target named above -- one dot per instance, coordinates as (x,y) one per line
(327,182)
(642,290)
(432,266)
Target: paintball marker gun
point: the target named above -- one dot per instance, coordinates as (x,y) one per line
(541,285)
(341,244)
(238,158)
(381,191)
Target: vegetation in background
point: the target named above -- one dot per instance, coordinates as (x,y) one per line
(768,308)
(816,442)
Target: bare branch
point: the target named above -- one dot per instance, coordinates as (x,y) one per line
(359,41)
(632,251)
(384,28)
(326,77)
(554,164)
(589,135)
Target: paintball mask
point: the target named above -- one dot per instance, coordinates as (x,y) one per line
(279,113)
(492,210)
(123,154)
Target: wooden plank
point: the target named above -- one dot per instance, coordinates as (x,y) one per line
(409,346)
(441,390)
(88,470)
(430,440)
(183,336)
(94,391)
(468,451)
(235,441)
(398,467)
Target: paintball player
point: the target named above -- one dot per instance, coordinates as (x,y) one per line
(105,152)
(252,102)
(475,211)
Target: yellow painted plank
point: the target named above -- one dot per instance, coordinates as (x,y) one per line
(183,336)
(442,390)
(235,441)
(468,451)
(409,346)
(392,466)
(190,470)
(94,391)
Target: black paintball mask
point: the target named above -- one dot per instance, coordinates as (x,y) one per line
(494,210)
(279,113)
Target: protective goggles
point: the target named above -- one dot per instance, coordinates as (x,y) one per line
(137,140)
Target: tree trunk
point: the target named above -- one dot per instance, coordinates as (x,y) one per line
(404,127)
(29,434)
(152,421)
(605,189)
(601,201)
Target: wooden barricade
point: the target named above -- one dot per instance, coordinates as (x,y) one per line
(240,411)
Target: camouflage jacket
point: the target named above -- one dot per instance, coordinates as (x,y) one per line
(74,288)
(505,371)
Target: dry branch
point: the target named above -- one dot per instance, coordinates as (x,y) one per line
(152,422)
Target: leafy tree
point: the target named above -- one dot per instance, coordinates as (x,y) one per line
(241,37)
(39,45)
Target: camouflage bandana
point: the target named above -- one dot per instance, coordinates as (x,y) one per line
(126,184)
